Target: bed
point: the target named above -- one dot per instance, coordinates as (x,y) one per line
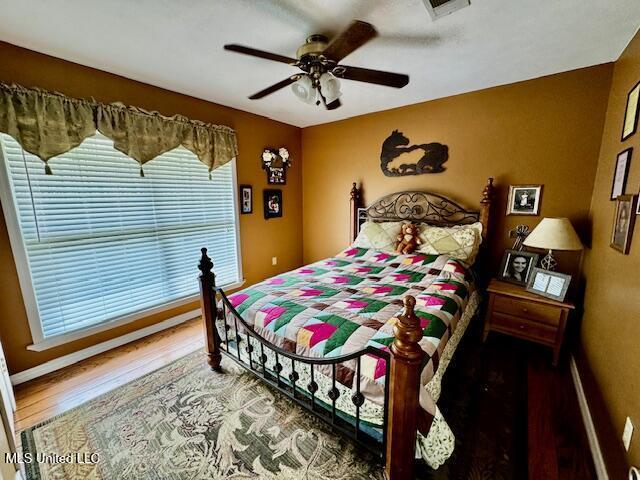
(363,338)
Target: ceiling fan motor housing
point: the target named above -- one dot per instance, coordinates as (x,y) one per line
(314,46)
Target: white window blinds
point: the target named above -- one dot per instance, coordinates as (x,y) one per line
(103,242)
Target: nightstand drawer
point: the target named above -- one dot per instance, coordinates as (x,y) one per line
(524,308)
(521,327)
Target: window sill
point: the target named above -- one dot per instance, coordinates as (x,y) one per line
(64,338)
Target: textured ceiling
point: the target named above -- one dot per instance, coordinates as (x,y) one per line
(177,44)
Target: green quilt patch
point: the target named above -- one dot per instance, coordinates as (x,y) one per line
(414,277)
(436,327)
(339,337)
(254,296)
(293,309)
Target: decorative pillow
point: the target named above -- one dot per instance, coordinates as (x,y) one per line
(461,242)
(378,235)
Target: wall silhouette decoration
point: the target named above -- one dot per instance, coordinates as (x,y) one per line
(435,154)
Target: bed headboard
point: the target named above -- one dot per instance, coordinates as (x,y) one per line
(420,207)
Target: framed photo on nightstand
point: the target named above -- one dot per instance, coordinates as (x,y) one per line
(517,266)
(549,284)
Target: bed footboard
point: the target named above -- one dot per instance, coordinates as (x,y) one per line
(402,415)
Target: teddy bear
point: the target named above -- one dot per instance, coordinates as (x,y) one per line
(407,240)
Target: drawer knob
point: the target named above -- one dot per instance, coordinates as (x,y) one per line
(521,327)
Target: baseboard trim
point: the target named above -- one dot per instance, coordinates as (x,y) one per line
(594,444)
(70,359)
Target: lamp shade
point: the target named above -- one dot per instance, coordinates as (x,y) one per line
(554,234)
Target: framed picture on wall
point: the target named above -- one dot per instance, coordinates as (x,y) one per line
(620,173)
(631,113)
(272,203)
(246,199)
(623,223)
(524,199)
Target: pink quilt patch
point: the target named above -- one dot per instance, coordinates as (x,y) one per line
(401,277)
(306,271)
(411,259)
(350,252)
(381,366)
(430,301)
(309,292)
(377,290)
(275,281)
(238,298)
(362,269)
(320,332)
(356,303)
(381,257)
(272,313)
(445,286)
(339,280)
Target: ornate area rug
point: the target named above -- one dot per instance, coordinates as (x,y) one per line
(186,422)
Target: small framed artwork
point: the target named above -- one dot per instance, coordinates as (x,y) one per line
(272,203)
(623,222)
(620,173)
(517,266)
(246,199)
(630,124)
(549,284)
(524,200)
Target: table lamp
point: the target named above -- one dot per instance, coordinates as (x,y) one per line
(553,234)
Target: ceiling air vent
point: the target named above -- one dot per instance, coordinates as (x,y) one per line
(440,8)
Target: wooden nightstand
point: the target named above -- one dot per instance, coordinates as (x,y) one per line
(514,311)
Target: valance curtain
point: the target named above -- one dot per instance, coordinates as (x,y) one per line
(49,124)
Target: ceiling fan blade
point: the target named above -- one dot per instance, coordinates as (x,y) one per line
(275,87)
(260,53)
(389,79)
(356,35)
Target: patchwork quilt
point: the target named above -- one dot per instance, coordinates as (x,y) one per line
(342,304)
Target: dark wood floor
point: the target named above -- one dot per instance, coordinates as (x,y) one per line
(557,442)
(553,437)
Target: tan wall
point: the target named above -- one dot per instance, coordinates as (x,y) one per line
(261,239)
(611,322)
(543,131)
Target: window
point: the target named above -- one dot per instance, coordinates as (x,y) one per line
(97,242)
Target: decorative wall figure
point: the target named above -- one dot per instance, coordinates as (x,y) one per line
(275,162)
(435,154)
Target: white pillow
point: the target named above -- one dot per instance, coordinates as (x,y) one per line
(378,235)
(461,242)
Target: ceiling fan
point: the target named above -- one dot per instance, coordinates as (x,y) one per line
(319,61)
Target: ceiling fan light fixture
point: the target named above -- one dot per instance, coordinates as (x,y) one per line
(330,86)
(304,90)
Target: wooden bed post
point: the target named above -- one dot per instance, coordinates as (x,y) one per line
(485,207)
(209,311)
(404,393)
(354,204)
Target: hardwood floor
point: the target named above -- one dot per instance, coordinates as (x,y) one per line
(59,391)
(557,444)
